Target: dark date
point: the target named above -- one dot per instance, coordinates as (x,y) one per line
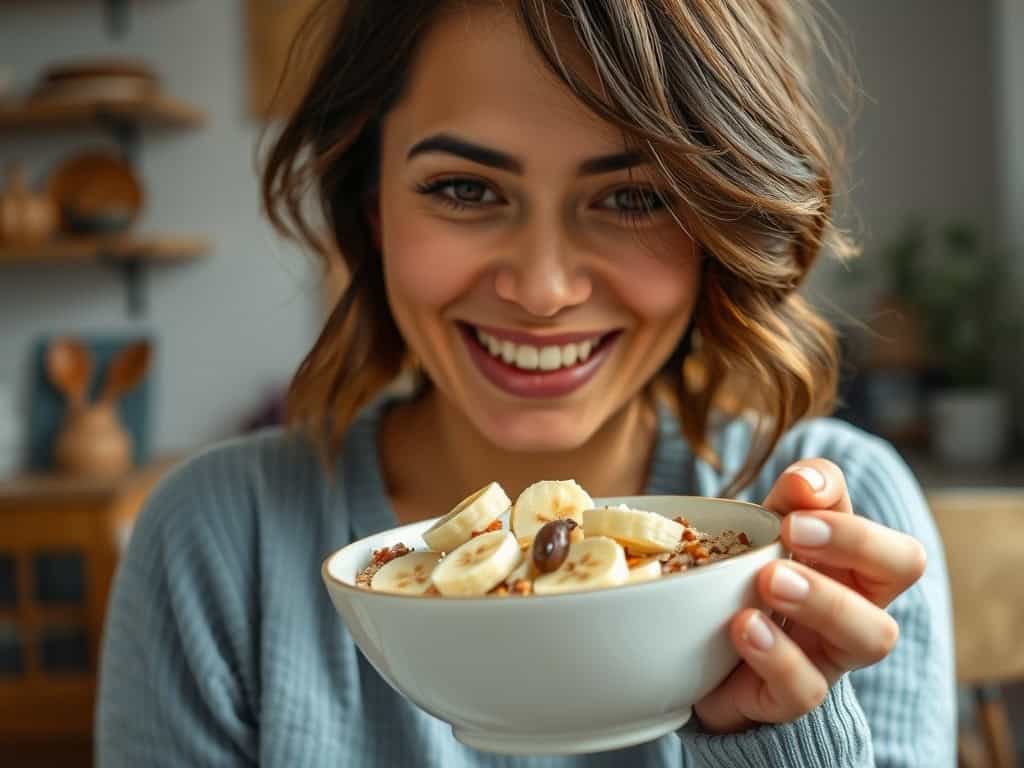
(551,544)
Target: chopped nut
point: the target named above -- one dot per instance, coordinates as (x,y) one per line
(522,587)
(495,526)
(386,554)
(381,557)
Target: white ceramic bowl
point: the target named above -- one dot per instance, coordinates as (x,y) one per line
(562,674)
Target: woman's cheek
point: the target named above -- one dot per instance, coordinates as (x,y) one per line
(426,265)
(656,286)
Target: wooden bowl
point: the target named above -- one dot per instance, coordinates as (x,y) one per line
(100,67)
(96,186)
(97,80)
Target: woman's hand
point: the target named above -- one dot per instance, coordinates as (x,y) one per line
(846,570)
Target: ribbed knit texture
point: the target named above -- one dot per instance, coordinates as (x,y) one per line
(222,648)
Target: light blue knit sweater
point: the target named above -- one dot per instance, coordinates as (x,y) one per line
(222,648)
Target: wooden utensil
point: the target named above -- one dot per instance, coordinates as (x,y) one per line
(93,441)
(69,366)
(126,370)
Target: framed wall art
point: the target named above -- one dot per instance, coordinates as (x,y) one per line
(273,26)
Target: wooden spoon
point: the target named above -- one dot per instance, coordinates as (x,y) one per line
(126,370)
(69,366)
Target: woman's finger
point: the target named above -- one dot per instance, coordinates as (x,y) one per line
(791,684)
(778,683)
(809,484)
(882,562)
(853,632)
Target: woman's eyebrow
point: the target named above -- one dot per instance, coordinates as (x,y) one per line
(448,144)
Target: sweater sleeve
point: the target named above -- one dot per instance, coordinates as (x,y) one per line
(176,674)
(899,713)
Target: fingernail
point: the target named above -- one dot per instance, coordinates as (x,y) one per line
(808,531)
(787,584)
(758,634)
(813,477)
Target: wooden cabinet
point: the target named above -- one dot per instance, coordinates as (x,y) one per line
(59,544)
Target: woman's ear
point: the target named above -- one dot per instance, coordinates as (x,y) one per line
(371,209)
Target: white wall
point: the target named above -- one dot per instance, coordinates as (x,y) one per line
(228,326)
(924,140)
(1009,25)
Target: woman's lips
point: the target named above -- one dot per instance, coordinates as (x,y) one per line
(522,337)
(537,384)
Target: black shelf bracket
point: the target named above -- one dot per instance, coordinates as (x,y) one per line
(117,17)
(133,276)
(126,132)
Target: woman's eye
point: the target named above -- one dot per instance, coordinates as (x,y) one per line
(460,193)
(467,191)
(633,201)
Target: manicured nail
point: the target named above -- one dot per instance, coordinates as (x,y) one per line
(789,585)
(757,633)
(813,477)
(808,531)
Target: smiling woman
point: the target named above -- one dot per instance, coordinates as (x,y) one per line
(555,213)
(713,150)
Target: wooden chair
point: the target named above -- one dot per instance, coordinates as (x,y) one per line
(983,536)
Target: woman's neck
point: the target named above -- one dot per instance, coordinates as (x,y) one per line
(432,457)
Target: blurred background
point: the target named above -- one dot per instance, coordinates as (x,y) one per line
(147,309)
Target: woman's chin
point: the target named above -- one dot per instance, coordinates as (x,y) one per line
(536,433)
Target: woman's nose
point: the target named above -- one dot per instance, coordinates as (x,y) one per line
(545,275)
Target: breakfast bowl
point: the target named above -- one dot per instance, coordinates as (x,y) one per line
(567,673)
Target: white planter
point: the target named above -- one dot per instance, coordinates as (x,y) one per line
(971,426)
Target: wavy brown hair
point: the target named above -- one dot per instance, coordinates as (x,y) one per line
(717,93)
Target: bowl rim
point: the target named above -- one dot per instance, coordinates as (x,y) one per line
(718,565)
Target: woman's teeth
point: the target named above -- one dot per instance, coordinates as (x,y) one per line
(530,358)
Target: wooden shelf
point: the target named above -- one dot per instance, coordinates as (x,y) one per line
(153,112)
(120,249)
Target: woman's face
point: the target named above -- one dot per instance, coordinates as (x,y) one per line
(522,264)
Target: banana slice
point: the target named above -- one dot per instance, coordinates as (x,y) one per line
(593,563)
(479,565)
(406,575)
(545,501)
(473,513)
(645,533)
(525,570)
(645,570)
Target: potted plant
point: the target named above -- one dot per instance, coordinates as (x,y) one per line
(893,349)
(961,293)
